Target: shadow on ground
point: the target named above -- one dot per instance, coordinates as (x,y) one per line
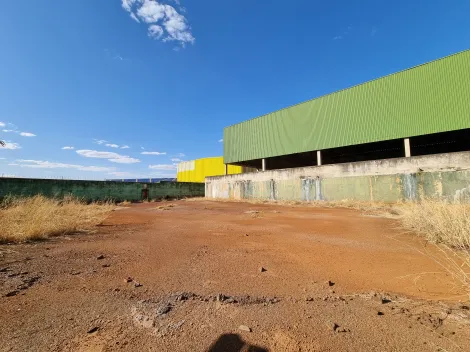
(233,343)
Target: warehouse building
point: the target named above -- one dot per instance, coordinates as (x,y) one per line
(198,170)
(420,111)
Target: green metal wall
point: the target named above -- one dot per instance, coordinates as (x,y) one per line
(431,98)
(97,190)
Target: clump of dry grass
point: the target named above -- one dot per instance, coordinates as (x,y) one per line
(440,222)
(38,217)
(447,226)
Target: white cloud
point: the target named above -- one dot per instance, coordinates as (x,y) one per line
(176,160)
(96,154)
(165,22)
(151,11)
(125,160)
(2,124)
(134,17)
(339,37)
(180,155)
(153,153)
(24,134)
(40,164)
(177,27)
(109,144)
(221,140)
(113,157)
(68,148)
(127,4)
(27,134)
(11,146)
(155,31)
(162,167)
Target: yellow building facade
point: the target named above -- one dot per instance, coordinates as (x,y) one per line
(198,170)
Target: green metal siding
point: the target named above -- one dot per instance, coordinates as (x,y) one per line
(431,98)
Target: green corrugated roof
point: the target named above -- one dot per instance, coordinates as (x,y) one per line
(431,98)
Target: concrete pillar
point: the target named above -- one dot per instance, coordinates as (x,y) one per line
(407,147)
(263,164)
(318,157)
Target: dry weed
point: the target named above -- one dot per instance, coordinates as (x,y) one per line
(447,227)
(39,217)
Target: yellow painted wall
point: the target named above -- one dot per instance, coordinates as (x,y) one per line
(198,170)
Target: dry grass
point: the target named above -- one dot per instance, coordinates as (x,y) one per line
(447,227)
(38,217)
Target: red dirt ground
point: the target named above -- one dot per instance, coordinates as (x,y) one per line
(199,266)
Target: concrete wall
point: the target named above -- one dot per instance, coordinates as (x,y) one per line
(443,176)
(97,190)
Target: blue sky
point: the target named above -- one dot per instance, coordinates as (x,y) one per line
(135,86)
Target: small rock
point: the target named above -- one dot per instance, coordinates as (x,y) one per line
(380,313)
(164,309)
(221,297)
(386,300)
(246,234)
(332,326)
(12,293)
(330,283)
(309,299)
(106,265)
(244,328)
(262,270)
(129,279)
(4,270)
(75,272)
(92,330)
(100,257)
(137,284)
(342,330)
(465,307)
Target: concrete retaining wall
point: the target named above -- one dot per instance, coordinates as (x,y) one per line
(98,190)
(443,176)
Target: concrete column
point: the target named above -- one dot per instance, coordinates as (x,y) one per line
(318,157)
(407,147)
(263,164)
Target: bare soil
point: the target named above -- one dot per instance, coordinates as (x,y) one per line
(209,276)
